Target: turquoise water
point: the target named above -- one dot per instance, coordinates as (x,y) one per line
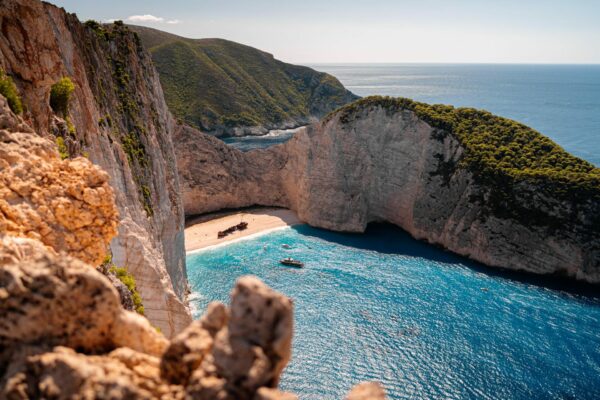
(382,306)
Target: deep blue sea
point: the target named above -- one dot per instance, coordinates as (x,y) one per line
(560,101)
(425,323)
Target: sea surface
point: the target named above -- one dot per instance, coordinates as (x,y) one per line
(560,101)
(425,323)
(247,143)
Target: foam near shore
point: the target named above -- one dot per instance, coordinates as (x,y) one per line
(201,233)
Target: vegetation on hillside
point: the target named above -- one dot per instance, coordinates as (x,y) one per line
(127,279)
(120,44)
(63,150)
(498,151)
(9,90)
(60,95)
(211,83)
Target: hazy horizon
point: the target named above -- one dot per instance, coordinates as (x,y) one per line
(380,32)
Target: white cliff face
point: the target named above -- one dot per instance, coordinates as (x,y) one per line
(392,167)
(215,176)
(122,124)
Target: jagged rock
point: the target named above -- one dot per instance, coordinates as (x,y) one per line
(185,354)
(122,123)
(253,349)
(64,334)
(188,349)
(66,204)
(62,373)
(60,301)
(367,391)
(232,357)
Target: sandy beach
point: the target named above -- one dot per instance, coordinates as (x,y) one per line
(201,232)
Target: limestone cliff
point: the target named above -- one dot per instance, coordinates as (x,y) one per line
(66,204)
(117,117)
(417,166)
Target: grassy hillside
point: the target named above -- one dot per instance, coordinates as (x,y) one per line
(216,85)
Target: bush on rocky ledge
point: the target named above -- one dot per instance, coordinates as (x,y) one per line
(9,90)
(60,95)
(130,299)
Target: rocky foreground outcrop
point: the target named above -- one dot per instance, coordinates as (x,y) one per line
(64,335)
(118,119)
(415,166)
(66,204)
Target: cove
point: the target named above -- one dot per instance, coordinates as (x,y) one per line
(427,324)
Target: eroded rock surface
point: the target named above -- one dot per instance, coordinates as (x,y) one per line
(64,334)
(61,301)
(66,204)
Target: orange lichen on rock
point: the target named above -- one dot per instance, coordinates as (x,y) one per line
(66,204)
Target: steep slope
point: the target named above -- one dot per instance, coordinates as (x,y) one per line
(479,185)
(118,118)
(226,88)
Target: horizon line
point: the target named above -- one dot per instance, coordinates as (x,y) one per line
(442,63)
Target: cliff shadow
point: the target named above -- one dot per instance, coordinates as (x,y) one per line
(390,239)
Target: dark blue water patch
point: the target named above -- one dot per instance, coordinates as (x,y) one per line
(389,239)
(560,101)
(426,323)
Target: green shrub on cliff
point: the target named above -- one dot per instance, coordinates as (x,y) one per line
(129,281)
(62,148)
(60,95)
(107,267)
(498,151)
(9,90)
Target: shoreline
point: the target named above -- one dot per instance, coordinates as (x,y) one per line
(201,233)
(236,240)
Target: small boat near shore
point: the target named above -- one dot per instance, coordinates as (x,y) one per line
(291,262)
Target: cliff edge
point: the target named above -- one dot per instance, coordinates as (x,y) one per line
(479,185)
(116,116)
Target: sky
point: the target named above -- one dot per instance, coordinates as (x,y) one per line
(376,31)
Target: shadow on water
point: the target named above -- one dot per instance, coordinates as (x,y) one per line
(390,239)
